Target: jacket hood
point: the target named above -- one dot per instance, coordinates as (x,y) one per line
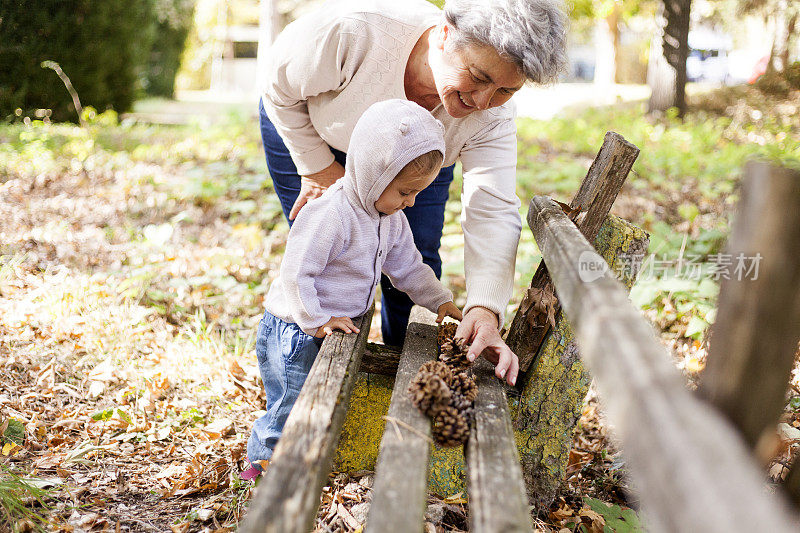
(388,136)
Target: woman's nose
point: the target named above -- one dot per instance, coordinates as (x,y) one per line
(410,200)
(483,98)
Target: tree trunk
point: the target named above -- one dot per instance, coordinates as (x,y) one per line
(660,76)
(269,27)
(605,65)
(790,37)
(780,41)
(613,27)
(668,81)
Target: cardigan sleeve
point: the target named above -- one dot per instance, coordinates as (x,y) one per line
(311,56)
(490,216)
(313,242)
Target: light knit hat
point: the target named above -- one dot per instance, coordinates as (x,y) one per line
(388,136)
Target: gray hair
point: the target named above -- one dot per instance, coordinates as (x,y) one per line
(530,33)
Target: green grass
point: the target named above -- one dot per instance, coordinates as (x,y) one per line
(21,499)
(683,188)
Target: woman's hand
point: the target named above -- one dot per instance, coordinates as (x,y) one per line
(479,328)
(342,323)
(313,185)
(448,309)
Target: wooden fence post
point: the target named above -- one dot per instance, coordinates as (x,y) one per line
(594,199)
(692,470)
(755,335)
(554,388)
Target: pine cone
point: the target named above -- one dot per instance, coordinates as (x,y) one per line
(446,331)
(429,392)
(450,428)
(464,390)
(453,353)
(438,368)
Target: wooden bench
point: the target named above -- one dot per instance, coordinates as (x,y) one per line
(288,496)
(380,410)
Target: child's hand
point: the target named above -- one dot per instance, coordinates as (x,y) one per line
(342,323)
(448,309)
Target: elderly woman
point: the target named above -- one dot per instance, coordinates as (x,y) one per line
(462,64)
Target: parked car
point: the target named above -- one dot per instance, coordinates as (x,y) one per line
(708,56)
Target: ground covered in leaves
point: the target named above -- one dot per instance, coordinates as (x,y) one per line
(133,262)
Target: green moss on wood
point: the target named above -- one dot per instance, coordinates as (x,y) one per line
(547,410)
(544,414)
(363,424)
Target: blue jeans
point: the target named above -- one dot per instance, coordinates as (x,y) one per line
(285,355)
(426,219)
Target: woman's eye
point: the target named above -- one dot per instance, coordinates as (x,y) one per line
(404,193)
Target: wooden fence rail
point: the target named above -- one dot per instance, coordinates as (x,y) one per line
(287,498)
(691,468)
(401,474)
(497,500)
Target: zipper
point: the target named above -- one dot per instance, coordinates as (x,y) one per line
(376,273)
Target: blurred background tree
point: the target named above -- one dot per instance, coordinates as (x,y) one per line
(783,16)
(111,51)
(173,20)
(667,70)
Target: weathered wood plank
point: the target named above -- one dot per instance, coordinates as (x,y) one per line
(692,469)
(597,193)
(497,500)
(287,499)
(553,389)
(380,359)
(758,322)
(400,489)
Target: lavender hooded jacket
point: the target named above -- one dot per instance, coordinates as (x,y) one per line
(339,243)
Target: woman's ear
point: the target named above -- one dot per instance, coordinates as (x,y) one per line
(440,34)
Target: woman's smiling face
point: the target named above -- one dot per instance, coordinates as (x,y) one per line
(470,77)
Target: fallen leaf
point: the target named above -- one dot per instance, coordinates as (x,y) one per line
(540,306)
(10,448)
(695,365)
(456,498)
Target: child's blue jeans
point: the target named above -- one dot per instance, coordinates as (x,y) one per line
(426,219)
(285,355)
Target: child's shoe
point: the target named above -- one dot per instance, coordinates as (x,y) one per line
(254,471)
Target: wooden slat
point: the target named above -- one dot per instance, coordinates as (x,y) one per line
(401,473)
(497,500)
(692,470)
(755,336)
(380,359)
(287,499)
(595,197)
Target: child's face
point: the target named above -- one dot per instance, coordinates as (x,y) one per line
(402,192)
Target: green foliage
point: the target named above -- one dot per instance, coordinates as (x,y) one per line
(792,75)
(14,432)
(618,519)
(102,47)
(173,22)
(110,51)
(19,498)
(702,155)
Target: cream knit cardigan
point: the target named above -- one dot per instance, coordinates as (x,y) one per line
(327,67)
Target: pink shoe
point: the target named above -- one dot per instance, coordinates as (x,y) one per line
(254,471)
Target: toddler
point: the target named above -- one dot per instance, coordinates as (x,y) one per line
(337,248)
